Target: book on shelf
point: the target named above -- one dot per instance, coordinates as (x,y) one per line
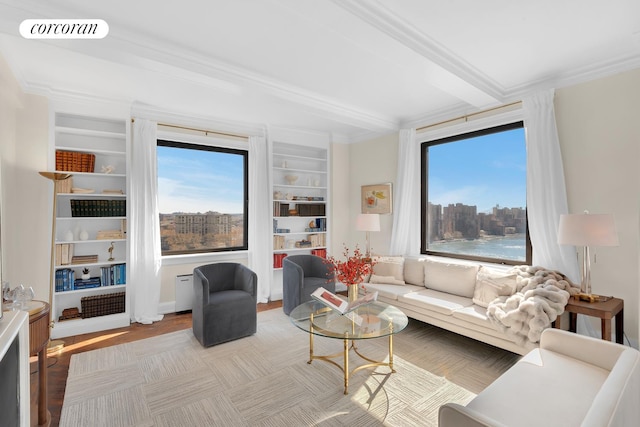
(93,282)
(84,259)
(64,186)
(64,253)
(342,306)
(109,234)
(277,260)
(115,274)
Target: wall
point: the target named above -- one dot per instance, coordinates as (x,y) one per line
(26,196)
(372,162)
(600,141)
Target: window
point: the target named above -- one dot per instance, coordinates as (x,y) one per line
(474,196)
(202,198)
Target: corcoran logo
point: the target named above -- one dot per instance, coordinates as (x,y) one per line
(64,29)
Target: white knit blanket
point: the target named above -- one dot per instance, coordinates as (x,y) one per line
(540,298)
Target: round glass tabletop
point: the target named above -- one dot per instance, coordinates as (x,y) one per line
(373,320)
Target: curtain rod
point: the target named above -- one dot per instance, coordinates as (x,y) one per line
(205,131)
(467,116)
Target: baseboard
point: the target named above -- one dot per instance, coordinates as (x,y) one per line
(167,307)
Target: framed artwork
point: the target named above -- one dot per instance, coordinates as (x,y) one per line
(376,198)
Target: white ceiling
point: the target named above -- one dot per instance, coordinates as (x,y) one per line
(352,68)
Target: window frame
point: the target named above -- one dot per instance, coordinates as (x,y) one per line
(165,142)
(424,194)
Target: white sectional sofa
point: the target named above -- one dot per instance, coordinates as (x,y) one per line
(570,380)
(450,295)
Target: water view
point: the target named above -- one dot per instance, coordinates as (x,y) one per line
(512,247)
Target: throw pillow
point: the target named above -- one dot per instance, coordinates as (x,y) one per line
(386,280)
(414,271)
(457,279)
(389,266)
(491,284)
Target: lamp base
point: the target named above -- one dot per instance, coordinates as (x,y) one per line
(55,346)
(591,297)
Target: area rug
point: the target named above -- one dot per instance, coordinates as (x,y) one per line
(265,380)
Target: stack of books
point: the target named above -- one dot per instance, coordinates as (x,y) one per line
(115,274)
(277,260)
(93,282)
(84,259)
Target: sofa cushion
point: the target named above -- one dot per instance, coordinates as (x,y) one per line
(453,278)
(389,280)
(474,314)
(391,291)
(491,284)
(441,302)
(389,266)
(539,379)
(414,271)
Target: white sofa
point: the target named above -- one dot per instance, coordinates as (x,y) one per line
(570,380)
(450,295)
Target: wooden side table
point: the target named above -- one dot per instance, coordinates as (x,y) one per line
(38,340)
(604,310)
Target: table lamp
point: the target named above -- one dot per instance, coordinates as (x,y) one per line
(587,230)
(368,223)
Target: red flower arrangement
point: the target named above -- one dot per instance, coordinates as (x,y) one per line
(354,269)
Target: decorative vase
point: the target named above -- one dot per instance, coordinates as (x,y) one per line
(68,236)
(353,292)
(84,235)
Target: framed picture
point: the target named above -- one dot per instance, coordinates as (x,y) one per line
(377,198)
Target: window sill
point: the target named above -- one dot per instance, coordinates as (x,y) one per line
(204,258)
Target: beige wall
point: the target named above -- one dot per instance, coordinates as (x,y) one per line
(26,196)
(600,141)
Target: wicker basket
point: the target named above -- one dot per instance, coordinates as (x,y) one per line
(102,305)
(73,161)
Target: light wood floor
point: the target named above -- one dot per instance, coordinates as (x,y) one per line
(58,364)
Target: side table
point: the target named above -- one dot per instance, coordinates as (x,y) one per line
(38,341)
(604,310)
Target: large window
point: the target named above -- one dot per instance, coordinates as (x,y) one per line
(202,198)
(474,196)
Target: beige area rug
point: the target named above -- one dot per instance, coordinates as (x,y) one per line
(264,380)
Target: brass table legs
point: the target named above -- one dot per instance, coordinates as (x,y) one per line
(350,344)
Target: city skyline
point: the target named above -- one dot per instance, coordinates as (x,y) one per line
(483,171)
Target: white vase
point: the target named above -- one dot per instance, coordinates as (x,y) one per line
(84,235)
(68,236)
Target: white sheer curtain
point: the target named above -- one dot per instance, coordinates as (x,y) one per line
(259,215)
(405,234)
(144,225)
(546,192)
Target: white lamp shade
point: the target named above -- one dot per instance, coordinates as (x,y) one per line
(587,230)
(368,222)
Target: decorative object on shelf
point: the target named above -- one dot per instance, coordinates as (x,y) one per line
(376,198)
(54,345)
(351,271)
(291,179)
(85,274)
(107,169)
(368,222)
(284,164)
(111,252)
(84,235)
(68,236)
(587,230)
(78,190)
(277,195)
(316,182)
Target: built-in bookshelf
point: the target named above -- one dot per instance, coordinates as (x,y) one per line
(300,183)
(91,246)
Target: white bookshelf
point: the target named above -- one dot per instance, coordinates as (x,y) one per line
(106,139)
(300,207)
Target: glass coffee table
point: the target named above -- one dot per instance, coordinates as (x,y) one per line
(374,320)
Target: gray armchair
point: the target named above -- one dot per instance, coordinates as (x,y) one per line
(303,274)
(224,306)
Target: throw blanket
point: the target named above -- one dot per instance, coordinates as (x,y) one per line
(540,298)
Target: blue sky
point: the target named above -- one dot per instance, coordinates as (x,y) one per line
(199,181)
(483,171)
